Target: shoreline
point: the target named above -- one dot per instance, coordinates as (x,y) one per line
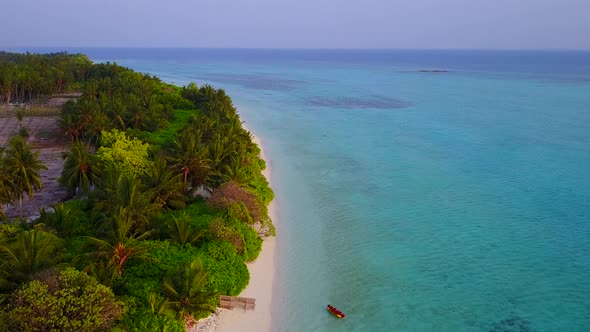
(262,273)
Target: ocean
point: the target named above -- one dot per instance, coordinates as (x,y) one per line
(418,190)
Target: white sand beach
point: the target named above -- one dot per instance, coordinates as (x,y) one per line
(262,272)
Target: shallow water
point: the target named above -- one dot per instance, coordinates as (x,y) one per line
(416,201)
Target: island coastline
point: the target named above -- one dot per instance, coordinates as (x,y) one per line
(262,274)
(255,279)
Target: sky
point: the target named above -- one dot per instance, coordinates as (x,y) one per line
(472,24)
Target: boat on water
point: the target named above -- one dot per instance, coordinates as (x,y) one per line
(335,311)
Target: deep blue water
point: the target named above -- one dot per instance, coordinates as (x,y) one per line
(416,201)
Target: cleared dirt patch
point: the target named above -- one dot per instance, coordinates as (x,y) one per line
(46,137)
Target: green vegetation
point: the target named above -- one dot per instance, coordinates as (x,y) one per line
(167,203)
(163,136)
(25,253)
(184,288)
(80,171)
(66,300)
(129,156)
(24,77)
(19,171)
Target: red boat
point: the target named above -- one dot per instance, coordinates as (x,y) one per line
(335,311)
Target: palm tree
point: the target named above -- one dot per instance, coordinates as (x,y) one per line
(100,122)
(189,156)
(185,290)
(7,83)
(236,171)
(205,125)
(6,258)
(132,197)
(7,187)
(69,123)
(221,150)
(23,164)
(91,90)
(79,174)
(86,110)
(107,259)
(122,197)
(159,305)
(106,262)
(118,109)
(59,77)
(165,187)
(106,86)
(182,232)
(63,220)
(26,254)
(20,115)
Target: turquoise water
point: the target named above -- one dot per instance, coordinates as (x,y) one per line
(416,201)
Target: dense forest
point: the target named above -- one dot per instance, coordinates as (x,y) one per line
(166,202)
(24,77)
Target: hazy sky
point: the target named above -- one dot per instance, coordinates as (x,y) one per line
(297,23)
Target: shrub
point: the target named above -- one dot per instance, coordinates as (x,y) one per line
(8,230)
(165,136)
(128,155)
(239,211)
(67,219)
(171,96)
(66,300)
(245,239)
(143,277)
(228,274)
(236,199)
(231,193)
(139,318)
(221,231)
(260,184)
(252,241)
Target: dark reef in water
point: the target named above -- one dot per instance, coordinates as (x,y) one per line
(433,71)
(371,102)
(513,324)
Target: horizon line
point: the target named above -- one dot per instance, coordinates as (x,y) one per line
(305,48)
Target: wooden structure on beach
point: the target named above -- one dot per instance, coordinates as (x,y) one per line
(230,302)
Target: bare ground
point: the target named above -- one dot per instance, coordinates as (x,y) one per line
(46,138)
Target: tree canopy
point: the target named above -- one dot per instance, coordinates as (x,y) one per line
(157,175)
(129,156)
(66,300)
(27,76)
(20,168)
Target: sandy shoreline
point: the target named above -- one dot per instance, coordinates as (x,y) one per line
(262,272)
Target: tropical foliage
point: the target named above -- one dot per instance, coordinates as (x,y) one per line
(25,253)
(167,200)
(80,171)
(21,168)
(185,289)
(130,156)
(66,300)
(27,76)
